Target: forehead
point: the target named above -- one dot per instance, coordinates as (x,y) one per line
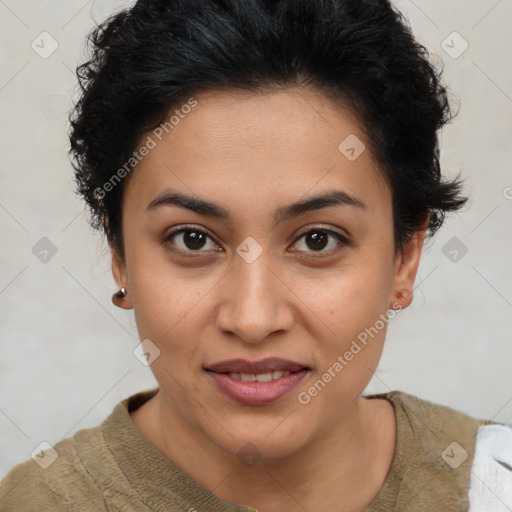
(234,144)
(280,123)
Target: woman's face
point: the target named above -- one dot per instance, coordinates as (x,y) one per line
(255,277)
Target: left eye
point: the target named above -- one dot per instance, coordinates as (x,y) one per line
(318,239)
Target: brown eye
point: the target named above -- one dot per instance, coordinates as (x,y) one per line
(190,240)
(194,239)
(316,240)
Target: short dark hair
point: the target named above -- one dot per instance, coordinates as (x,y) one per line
(151,58)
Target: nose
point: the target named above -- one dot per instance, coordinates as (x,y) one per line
(254,301)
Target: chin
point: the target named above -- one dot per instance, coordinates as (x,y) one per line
(267,439)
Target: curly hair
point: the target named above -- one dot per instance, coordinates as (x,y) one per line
(154,56)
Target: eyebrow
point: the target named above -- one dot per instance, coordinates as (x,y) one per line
(209,209)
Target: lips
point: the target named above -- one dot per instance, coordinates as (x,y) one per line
(271,364)
(257,382)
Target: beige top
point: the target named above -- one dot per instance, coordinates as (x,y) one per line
(113,467)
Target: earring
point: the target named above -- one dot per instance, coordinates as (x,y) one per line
(117,297)
(399,295)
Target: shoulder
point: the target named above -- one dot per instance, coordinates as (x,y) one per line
(81,472)
(450,456)
(76,474)
(55,479)
(433,425)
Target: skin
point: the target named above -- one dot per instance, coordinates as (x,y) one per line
(252,154)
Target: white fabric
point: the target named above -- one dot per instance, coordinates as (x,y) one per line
(491,481)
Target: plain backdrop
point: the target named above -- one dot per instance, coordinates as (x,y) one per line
(67,352)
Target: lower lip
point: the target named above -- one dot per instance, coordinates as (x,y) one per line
(257,393)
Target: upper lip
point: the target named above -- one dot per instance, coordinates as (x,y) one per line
(270,364)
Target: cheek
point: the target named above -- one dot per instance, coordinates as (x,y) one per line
(164,295)
(352,296)
(350,351)
(352,306)
(168,312)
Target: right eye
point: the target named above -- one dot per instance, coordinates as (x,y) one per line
(190,239)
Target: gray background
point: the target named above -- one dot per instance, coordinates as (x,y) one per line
(67,352)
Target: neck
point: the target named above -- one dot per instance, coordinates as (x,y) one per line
(345,465)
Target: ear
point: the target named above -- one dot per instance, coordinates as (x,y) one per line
(406,267)
(121,278)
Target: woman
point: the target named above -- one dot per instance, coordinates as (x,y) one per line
(266,174)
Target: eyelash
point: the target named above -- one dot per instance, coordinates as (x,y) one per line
(342,240)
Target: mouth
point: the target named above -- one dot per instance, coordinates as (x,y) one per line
(259,377)
(257,382)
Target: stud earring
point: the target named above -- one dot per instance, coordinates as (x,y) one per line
(396,305)
(117,297)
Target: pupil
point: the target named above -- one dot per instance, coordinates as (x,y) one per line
(194,240)
(318,239)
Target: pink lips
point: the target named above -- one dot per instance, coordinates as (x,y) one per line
(256,393)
